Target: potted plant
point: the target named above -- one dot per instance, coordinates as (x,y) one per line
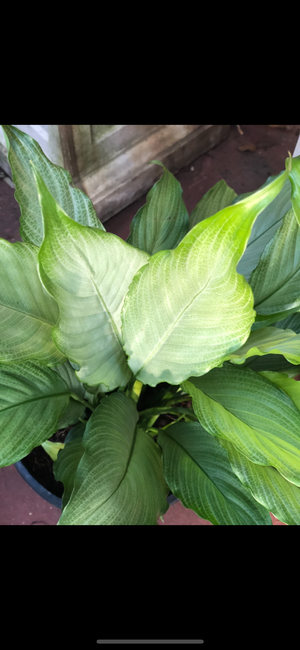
(195,317)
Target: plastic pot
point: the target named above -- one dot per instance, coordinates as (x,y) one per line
(52,498)
(37,487)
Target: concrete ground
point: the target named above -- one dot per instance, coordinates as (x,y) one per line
(245,160)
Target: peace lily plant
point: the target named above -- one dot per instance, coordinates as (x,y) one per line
(107,335)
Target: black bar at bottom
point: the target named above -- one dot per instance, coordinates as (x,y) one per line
(151,641)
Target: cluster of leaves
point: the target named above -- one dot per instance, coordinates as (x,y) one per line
(107,335)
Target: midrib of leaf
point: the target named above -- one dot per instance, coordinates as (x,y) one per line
(104,306)
(248,413)
(34,399)
(167,333)
(258,236)
(201,468)
(276,290)
(91,510)
(20,311)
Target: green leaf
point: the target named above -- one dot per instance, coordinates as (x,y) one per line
(274,362)
(88,272)
(292,322)
(163,221)
(268,222)
(27,311)
(294,177)
(119,479)
(219,196)
(21,150)
(198,472)
(272,319)
(52,448)
(69,376)
(269,180)
(192,299)
(287,384)
(72,414)
(75,409)
(275,281)
(250,411)
(267,486)
(269,340)
(32,400)
(66,463)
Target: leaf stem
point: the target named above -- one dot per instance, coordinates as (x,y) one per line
(153,431)
(179,399)
(166,409)
(86,404)
(174,422)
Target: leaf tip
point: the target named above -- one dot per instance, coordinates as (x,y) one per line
(288,163)
(156,162)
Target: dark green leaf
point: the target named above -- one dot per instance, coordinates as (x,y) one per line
(257,416)
(65,466)
(219,196)
(32,400)
(198,472)
(119,479)
(21,150)
(163,222)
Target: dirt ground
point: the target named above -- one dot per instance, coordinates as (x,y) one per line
(244,160)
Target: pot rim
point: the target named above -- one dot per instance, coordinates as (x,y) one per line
(52,498)
(37,487)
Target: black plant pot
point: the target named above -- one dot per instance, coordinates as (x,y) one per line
(51,498)
(36,486)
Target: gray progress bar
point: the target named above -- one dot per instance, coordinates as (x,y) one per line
(150,641)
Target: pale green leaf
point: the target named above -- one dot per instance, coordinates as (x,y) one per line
(269,180)
(119,479)
(267,486)
(88,272)
(250,411)
(269,340)
(187,309)
(52,448)
(275,281)
(219,196)
(198,472)
(21,150)
(66,463)
(287,384)
(294,177)
(163,221)
(32,400)
(27,311)
(268,222)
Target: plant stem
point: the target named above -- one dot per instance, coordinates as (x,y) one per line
(86,404)
(174,422)
(153,431)
(165,409)
(179,399)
